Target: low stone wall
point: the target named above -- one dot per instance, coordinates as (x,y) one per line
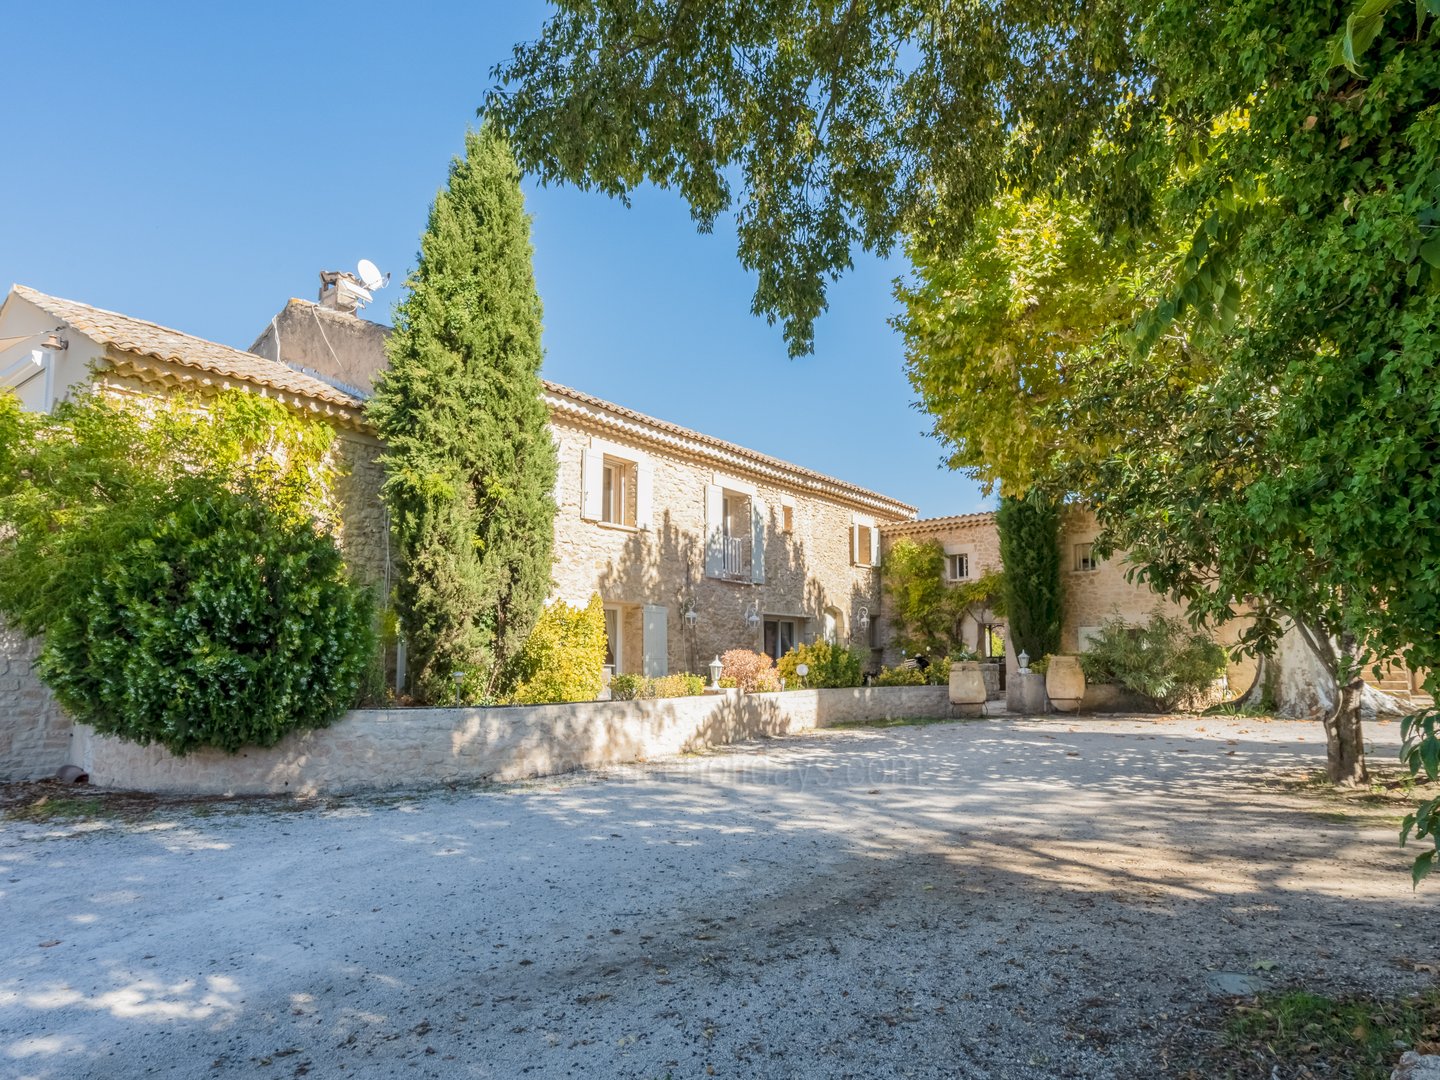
(35,733)
(373,749)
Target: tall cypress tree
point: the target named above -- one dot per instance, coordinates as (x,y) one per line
(1030,552)
(470,465)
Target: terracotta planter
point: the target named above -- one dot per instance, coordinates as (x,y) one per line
(1065,683)
(967,686)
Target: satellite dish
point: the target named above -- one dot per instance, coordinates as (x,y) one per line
(370,275)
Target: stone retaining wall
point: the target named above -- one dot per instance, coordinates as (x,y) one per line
(34,731)
(373,749)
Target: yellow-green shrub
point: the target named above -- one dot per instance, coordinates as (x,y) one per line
(563,656)
(830,666)
(900,676)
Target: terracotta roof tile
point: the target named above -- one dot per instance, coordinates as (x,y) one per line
(133,335)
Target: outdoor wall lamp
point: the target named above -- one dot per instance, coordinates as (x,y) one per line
(691,615)
(54,340)
(862,618)
(752,615)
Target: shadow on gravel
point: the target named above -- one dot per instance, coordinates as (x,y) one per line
(988,900)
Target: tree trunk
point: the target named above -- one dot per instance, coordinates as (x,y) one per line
(1345,738)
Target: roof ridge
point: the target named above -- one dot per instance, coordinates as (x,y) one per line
(715,440)
(35,296)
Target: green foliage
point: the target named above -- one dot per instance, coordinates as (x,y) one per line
(1030,551)
(1420,751)
(470,462)
(1356,1037)
(824,127)
(751,672)
(1165,660)
(631,687)
(167,553)
(928,612)
(626,687)
(830,666)
(900,676)
(998,330)
(564,656)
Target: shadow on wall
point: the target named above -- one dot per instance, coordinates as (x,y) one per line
(665,566)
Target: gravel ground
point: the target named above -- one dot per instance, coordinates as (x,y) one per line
(987,899)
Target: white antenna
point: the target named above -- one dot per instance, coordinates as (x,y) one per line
(347,292)
(370,275)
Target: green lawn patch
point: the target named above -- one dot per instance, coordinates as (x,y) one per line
(1297,1033)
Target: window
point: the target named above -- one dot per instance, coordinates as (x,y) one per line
(612,639)
(735,531)
(1085,557)
(617,485)
(864,543)
(779,637)
(957,567)
(787,518)
(617,492)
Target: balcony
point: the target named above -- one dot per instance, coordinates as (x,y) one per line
(735,558)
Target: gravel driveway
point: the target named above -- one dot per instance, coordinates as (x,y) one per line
(990,899)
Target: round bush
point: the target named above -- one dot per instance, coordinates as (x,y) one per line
(211,621)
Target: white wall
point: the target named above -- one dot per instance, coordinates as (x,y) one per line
(69,367)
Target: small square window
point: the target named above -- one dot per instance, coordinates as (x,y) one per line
(957,567)
(1085,557)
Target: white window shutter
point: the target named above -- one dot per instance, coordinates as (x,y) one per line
(874,545)
(757,549)
(714,530)
(657,642)
(644,492)
(854,545)
(593,484)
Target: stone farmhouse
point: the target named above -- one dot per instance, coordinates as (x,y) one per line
(696,545)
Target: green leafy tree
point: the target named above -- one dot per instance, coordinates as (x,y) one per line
(176,559)
(842,126)
(470,464)
(1291,150)
(1030,550)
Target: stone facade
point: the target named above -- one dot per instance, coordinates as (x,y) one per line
(377,749)
(810,580)
(971,537)
(1095,591)
(34,731)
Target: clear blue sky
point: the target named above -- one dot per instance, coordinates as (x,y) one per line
(197,165)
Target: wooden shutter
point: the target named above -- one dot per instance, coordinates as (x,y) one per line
(656,661)
(757,548)
(644,493)
(874,545)
(854,544)
(592,481)
(714,530)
